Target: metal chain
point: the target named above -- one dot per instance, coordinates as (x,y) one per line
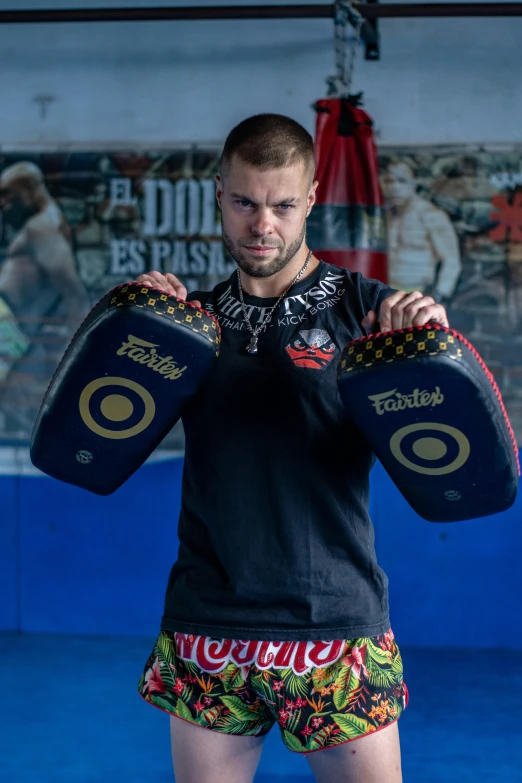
(353,53)
(344,14)
(258,329)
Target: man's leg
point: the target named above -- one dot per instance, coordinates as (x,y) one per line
(200,755)
(375,758)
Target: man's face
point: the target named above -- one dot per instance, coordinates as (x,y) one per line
(398,184)
(17,202)
(15,195)
(263,215)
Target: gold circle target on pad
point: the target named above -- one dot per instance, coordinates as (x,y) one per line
(430,448)
(116,407)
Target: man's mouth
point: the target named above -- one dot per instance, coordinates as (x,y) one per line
(259,250)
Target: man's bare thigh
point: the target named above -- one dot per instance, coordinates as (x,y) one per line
(204,756)
(201,755)
(375,758)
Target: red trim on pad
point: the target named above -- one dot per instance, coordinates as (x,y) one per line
(478,357)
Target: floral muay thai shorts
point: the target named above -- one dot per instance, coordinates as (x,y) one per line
(320,693)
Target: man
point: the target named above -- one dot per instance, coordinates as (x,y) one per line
(39,272)
(423,249)
(276,610)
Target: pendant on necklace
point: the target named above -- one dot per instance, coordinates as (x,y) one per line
(252,345)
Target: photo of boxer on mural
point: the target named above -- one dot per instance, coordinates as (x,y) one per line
(422,244)
(42,298)
(458,213)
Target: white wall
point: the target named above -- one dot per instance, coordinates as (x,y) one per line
(438,81)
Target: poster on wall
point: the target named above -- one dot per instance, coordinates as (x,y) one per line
(75,224)
(454,231)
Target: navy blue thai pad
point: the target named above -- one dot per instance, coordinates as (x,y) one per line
(136,360)
(434,415)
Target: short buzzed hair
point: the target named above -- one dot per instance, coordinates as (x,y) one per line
(269,141)
(397,160)
(25,173)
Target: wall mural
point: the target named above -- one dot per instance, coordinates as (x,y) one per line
(74,224)
(454,229)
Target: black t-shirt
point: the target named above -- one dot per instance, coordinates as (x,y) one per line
(275,538)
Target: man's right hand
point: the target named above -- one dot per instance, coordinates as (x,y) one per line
(168,283)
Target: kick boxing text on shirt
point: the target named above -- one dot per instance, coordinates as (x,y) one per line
(294,308)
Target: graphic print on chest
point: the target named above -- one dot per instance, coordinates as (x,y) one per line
(294,310)
(312,348)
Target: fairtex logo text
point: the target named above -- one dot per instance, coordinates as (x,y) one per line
(134,348)
(395,401)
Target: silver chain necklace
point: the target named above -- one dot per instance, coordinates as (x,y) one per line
(252,345)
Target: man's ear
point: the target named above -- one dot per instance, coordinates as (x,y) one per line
(219,189)
(311,197)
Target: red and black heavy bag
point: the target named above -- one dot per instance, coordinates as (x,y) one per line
(434,416)
(138,357)
(346,226)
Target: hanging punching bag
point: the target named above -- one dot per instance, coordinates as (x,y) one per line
(347,225)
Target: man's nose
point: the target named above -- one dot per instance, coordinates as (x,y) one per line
(262,225)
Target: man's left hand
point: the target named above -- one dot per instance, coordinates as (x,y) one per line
(401,310)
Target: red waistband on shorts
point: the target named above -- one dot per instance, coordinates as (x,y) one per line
(213,655)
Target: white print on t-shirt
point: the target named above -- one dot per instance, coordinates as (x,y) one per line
(294,309)
(312,309)
(212,655)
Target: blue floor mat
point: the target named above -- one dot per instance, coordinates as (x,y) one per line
(70,713)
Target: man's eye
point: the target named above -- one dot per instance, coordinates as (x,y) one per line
(244,203)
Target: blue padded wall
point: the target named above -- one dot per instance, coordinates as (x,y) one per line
(72,562)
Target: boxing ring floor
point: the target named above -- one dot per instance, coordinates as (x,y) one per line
(70,713)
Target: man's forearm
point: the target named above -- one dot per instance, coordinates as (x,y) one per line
(448,277)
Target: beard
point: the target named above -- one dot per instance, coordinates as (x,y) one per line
(254,268)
